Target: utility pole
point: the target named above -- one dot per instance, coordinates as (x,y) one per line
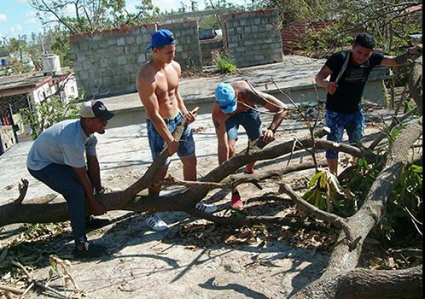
(20,49)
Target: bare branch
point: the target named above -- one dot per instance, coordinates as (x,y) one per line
(11,289)
(328,217)
(23,188)
(36,282)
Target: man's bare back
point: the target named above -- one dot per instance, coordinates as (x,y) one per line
(247,98)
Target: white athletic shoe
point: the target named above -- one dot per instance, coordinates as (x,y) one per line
(155,223)
(201,206)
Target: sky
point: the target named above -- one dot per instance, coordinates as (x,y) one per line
(18,18)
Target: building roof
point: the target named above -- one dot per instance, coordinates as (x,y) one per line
(26,83)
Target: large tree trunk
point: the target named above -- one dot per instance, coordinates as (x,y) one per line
(361,283)
(345,256)
(36,212)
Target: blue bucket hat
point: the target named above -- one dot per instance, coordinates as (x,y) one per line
(161,38)
(226,97)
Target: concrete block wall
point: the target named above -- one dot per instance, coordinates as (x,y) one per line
(208,47)
(107,62)
(252,38)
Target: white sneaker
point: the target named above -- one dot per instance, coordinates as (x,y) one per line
(203,207)
(155,223)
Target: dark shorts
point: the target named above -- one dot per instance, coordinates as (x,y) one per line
(338,122)
(251,122)
(157,144)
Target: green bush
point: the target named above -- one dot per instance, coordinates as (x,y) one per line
(47,113)
(404,210)
(225,65)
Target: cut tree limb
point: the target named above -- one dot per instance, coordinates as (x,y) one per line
(130,200)
(388,284)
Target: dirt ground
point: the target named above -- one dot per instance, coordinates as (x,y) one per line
(193,259)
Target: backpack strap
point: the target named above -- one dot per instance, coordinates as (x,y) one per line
(344,67)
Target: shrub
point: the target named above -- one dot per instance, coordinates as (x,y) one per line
(47,113)
(223,63)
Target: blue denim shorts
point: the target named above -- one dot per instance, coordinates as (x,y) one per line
(251,122)
(338,122)
(157,144)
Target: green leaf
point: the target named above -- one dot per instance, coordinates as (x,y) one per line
(335,183)
(314,179)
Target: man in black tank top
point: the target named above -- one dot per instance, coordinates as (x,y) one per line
(348,72)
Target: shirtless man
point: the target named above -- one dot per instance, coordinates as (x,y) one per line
(235,105)
(157,84)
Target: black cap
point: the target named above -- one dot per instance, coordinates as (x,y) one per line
(96,109)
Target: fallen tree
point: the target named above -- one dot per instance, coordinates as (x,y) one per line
(342,278)
(345,257)
(129,199)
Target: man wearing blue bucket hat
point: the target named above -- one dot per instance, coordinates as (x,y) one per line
(236,104)
(157,85)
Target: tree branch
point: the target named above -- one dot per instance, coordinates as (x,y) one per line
(328,217)
(343,259)
(23,188)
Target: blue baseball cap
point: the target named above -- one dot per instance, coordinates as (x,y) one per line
(162,37)
(226,97)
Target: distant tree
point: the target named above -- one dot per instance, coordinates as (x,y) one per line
(389,21)
(60,46)
(215,4)
(304,11)
(67,17)
(82,16)
(213,21)
(252,5)
(17,47)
